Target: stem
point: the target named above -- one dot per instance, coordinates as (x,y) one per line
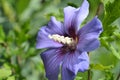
(118,77)
(100,9)
(89,71)
(89,74)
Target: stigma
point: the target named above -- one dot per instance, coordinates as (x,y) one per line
(61,39)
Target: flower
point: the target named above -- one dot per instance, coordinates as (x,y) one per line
(67,45)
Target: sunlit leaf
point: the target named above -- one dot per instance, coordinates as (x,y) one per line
(5,72)
(101,67)
(11,78)
(115,53)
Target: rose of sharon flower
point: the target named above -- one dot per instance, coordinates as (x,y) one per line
(67,45)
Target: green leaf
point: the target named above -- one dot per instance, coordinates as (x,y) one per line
(2,34)
(5,72)
(117,34)
(11,78)
(100,67)
(106,1)
(94,5)
(21,6)
(115,53)
(82,76)
(104,42)
(112,12)
(8,10)
(78,78)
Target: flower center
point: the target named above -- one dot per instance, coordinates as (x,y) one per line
(61,39)
(68,42)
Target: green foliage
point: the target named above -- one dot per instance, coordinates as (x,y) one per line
(2,34)
(4,72)
(20,8)
(112,12)
(101,67)
(20,21)
(11,78)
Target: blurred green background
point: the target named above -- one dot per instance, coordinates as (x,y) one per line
(20,21)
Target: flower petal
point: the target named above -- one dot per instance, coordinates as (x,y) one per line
(74,17)
(88,44)
(43,41)
(82,13)
(88,35)
(84,65)
(73,63)
(94,26)
(55,27)
(52,59)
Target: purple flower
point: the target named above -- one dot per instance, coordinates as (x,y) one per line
(66,44)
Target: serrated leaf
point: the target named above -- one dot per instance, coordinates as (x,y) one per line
(115,53)
(112,12)
(101,67)
(117,34)
(104,42)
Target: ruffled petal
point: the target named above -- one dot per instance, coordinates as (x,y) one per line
(69,12)
(55,27)
(52,59)
(73,63)
(74,17)
(43,41)
(88,35)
